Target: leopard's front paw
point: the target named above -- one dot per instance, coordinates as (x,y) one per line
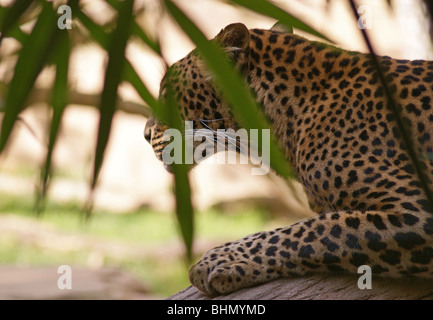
(229,268)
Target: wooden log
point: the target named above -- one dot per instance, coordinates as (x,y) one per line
(324,287)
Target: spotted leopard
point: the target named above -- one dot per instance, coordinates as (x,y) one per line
(329,113)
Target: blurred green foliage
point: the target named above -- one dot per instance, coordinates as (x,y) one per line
(150,252)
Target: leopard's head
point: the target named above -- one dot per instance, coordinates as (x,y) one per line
(192,87)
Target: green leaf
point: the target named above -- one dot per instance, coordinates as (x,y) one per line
(97,32)
(59,102)
(113,75)
(233,87)
(129,74)
(184,210)
(170,113)
(16,33)
(403,126)
(32,58)
(267,8)
(154,45)
(240,100)
(137,31)
(9,17)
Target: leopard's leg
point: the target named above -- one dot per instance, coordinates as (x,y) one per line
(392,244)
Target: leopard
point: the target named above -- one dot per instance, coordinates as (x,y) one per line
(329,112)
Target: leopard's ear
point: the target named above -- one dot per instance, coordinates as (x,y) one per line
(235,41)
(235,35)
(281,27)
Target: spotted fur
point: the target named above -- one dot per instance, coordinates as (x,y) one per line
(330,115)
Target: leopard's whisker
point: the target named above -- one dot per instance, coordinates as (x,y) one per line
(242,146)
(211,120)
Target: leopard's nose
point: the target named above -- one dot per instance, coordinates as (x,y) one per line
(148,130)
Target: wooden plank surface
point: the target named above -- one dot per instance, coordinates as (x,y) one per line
(323,287)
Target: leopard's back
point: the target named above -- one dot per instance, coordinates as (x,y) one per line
(330,113)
